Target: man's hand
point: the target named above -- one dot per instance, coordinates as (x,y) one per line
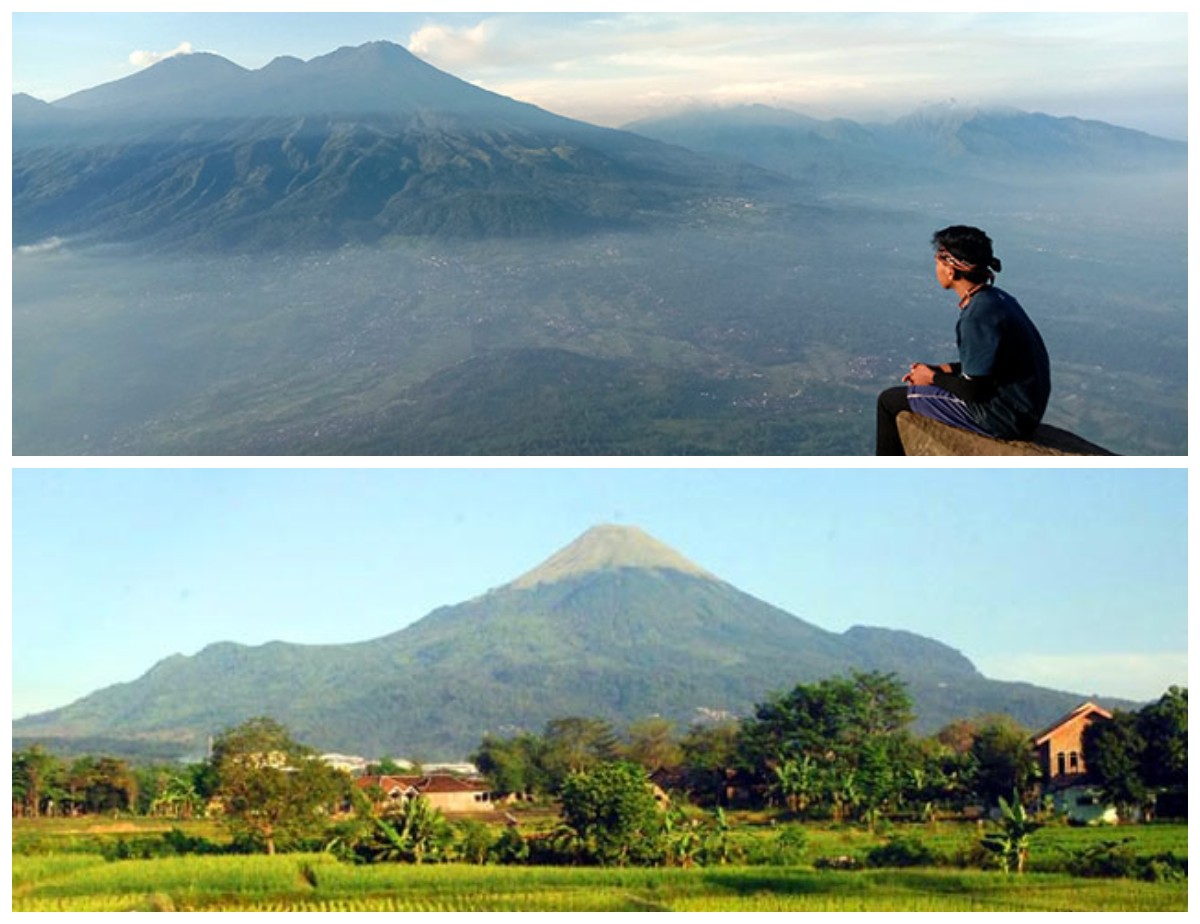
(919,374)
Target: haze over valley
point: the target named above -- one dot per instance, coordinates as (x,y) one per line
(210,260)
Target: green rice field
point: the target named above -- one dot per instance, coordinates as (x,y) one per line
(58,868)
(320,883)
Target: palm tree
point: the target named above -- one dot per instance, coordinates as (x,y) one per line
(37,776)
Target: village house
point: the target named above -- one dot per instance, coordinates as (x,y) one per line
(448,794)
(1059,750)
(350,763)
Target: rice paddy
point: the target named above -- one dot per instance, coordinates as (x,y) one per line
(317,882)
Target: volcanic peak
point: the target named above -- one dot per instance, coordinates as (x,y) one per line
(608,547)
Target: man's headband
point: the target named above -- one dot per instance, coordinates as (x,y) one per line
(955,262)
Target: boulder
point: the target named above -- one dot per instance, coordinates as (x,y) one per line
(925,437)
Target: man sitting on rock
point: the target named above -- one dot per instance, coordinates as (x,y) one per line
(1001,384)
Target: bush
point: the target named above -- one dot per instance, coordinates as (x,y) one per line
(786,848)
(173,843)
(973,856)
(1119,860)
(560,847)
(901,852)
(843,862)
(474,842)
(1108,860)
(1163,867)
(510,848)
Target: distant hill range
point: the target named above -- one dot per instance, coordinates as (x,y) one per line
(616,625)
(934,144)
(371,142)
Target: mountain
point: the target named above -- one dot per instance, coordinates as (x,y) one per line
(1008,141)
(361,144)
(378,78)
(934,143)
(826,154)
(615,625)
(177,87)
(605,548)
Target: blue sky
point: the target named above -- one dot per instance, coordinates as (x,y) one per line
(612,68)
(1073,578)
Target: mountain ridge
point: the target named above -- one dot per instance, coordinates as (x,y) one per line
(370,142)
(928,145)
(606,637)
(371,79)
(353,147)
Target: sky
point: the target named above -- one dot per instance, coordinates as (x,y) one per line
(1074,579)
(614,68)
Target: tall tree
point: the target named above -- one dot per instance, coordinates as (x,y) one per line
(852,730)
(514,765)
(710,756)
(1114,752)
(37,780)
(959,735)
(102,784)
(611,810)
(1002,761)
(884,762)
(651,743)
(834,715)
(1163,727)
(272,788)
(576,743)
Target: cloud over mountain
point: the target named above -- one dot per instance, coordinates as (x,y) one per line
(142,59)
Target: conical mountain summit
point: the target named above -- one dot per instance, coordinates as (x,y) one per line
(604,547)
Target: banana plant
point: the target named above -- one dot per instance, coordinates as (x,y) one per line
(1010,843)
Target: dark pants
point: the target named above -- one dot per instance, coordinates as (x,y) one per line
(928,401)
(887,436)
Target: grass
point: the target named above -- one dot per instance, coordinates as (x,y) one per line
(57,867)
(283,883)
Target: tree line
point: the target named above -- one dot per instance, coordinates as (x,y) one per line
(840,749)
(843,748)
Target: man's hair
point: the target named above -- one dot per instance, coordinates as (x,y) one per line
(969,245)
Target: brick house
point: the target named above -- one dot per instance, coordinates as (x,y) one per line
(448,794)
(1059,749)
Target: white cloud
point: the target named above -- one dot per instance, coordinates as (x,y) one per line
(614,68)
(445,45)
(1131,676)
(49,245)
(142,59)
